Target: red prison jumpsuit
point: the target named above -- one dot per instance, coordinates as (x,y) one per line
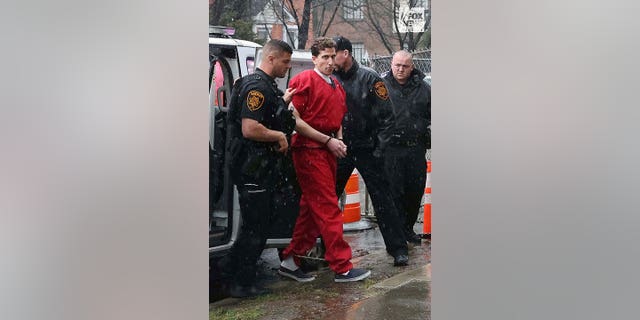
(322,106)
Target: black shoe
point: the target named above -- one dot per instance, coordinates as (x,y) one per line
(238,291)
(297,275)
(414,239)
(400,260)
(354,274)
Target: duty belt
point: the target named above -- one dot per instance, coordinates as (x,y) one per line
(407,143)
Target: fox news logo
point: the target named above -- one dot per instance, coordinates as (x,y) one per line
(410,19)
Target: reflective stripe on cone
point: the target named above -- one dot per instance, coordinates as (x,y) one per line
(351,212)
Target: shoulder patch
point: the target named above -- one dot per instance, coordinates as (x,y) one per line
(255,99)
(381,90)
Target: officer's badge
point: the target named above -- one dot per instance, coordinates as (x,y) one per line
(255,99)
(381,90)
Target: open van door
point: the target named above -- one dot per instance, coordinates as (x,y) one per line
(229,59)
(221,195)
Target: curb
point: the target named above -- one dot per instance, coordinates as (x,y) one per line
(421,274)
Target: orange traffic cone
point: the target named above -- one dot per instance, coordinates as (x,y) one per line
(426,226)
(351,212)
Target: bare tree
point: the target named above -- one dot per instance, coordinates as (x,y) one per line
(302,11)
(319,11)
(381,19)
(378,19)
(216,8)
(282,13)
(302,20)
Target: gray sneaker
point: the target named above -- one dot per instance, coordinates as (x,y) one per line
(354,274)
(297,275)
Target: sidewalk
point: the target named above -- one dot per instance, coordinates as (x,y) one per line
(406,295)
(389,293)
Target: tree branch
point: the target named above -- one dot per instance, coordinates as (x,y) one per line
(333,15)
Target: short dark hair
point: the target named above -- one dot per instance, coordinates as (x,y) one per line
(343,43)
(320,44)
(275,46)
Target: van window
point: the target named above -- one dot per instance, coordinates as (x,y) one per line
(250,65)
(220,82)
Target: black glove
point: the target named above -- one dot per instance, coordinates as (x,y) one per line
(286,118)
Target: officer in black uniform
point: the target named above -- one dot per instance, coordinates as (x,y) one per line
(260,125)
(367,129)
(405,155)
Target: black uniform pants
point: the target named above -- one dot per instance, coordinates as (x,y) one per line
(260,207)
(406,168)
(372,171)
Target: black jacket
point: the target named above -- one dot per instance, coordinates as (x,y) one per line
(412,109)
(369,118)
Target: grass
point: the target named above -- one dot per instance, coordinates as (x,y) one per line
(252,313)
(368,283)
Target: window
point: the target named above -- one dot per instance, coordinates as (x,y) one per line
(293,40)
(358,52)
(218,82)
(262,33)
(251,64)
(352,9)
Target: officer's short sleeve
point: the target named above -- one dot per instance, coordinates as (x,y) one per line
(253,103)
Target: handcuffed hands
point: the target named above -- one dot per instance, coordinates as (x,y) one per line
(337,147)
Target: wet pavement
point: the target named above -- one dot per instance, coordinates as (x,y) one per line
(389,293)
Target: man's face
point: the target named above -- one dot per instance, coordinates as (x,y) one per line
(281,64)
(401,67)
(325,61)
(341,58)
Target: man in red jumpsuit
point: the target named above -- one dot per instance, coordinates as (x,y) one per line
(320,104)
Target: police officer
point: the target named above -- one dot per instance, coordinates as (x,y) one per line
(260,125)
(405,155)
(367,129)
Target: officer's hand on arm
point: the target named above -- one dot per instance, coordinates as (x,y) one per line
(288,95)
